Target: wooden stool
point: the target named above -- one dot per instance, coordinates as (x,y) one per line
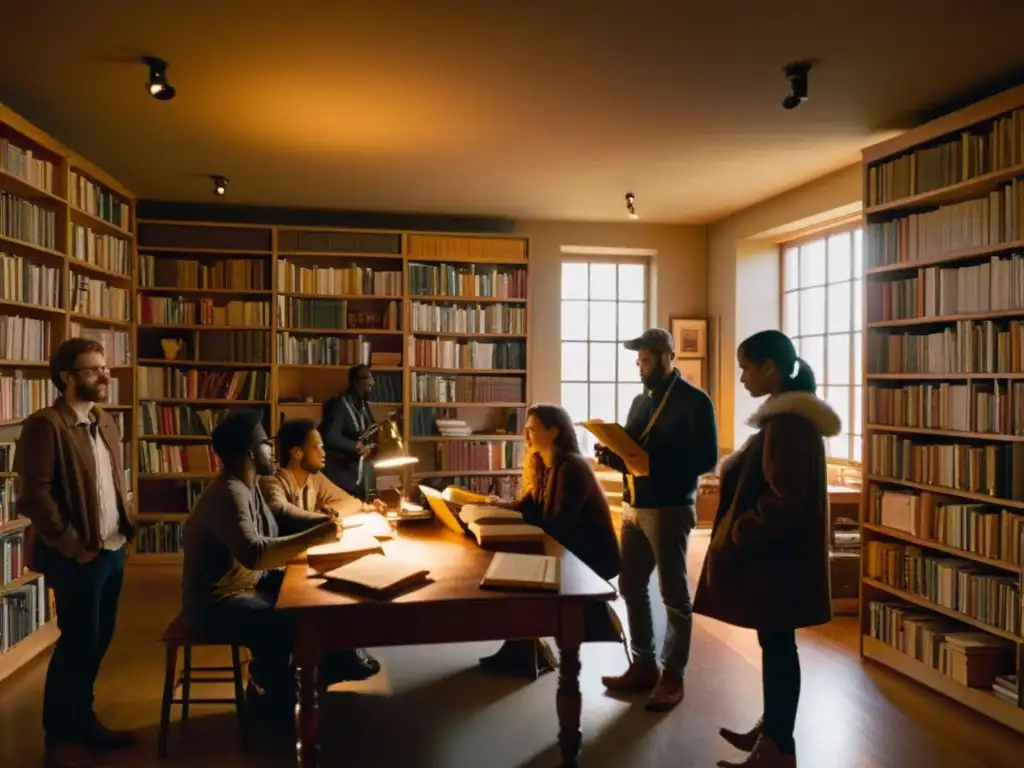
(178,636)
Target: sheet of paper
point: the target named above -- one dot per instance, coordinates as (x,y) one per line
(618,441)
(377,572)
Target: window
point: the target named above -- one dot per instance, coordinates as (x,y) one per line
(603,304)
(822,287)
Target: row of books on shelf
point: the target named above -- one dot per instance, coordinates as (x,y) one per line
(990,407)
(28,282)
(995,286)
(20,397)
(491,318)
(993,470)
(226,274)
(991,598)
(505,487)
(467,280)
(335,314)
(90,296)
(117,345)
(24,339)
(88,196)
(8,496)
(971,658)
(969,347)
(323,350)
(102,250)
(387,387)
(981,529)
(457,248)
(457,354)
(159,383)
(328,242)
(350,280)
(438,388)
(992,220)
(178,419)
(23,610)
(162,537)
(26,165)
(24,220)
(220,346)
(993,146)
(478,455)
(428,422)
(178,310)
(12,556)
(164,459)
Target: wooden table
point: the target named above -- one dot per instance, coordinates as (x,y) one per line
(451,609)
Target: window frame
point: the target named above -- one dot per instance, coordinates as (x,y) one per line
(854,432)
(646,262)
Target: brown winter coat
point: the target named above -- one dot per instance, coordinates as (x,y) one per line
(768,563)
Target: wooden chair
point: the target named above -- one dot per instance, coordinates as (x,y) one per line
(178,636)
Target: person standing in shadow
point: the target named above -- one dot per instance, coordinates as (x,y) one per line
(767,567)
(345,419)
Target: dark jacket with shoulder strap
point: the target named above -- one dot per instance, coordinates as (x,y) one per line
(344,420)
(682,445)
(767,566)
(57,484)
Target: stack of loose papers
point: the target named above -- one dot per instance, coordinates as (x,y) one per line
(519,571)
(378,574)
(354,544)
(371,523)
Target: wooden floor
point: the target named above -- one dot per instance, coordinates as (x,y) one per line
(432,707)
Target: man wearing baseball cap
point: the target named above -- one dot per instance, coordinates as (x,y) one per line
(675,423)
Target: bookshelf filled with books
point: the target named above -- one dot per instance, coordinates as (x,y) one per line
(274,317)
(942,515)
(67,252)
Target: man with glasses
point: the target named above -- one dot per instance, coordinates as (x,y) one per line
(346,419)
(72,488)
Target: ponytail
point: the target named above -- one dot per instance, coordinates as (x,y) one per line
(778,347)
(802,378)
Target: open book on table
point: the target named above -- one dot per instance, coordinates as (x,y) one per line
(485,513)
(379,574)
(351,546)
(505,533)
(519,571)
(618,441)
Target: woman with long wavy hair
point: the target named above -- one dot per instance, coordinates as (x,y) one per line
(561,494)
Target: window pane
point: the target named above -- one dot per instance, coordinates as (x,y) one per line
(586,441)
(791,269)
(602,362)
(627,392)
(858,304)
(839,307)
(631,320)
(858,366)
(812,350)
(838,447)
(858,253)
(574,321)
(602,321)
(791,313)
(812,311)
(857,450)
(838,370)
(812,263)
(574,280)
(574,361)
(839,258)
(602,281)
(856,426)
(574,400)
(602,401)
(627,365)
(632,286)
(839,399)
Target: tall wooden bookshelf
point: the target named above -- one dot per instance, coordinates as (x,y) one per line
(942,517)
(441,318)
(67,253)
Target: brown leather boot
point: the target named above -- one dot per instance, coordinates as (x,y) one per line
(765,755)
(743,741)
(666,694)
(638,678)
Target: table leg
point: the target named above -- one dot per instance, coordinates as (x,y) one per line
(306,717)
(569,703)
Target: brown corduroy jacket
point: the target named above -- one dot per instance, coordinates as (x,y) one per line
(57,485)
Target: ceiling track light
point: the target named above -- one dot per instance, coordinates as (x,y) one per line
(158,87)
(630,205)
(796,73)
(220,185)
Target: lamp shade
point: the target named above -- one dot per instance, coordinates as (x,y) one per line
(391,451)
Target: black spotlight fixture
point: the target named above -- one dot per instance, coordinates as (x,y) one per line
(158,86)
(630,205)
(796,73)
(220,186)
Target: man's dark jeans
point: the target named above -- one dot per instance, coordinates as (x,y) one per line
(86,595)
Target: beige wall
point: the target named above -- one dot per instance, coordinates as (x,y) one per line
(679,281)
(743,275)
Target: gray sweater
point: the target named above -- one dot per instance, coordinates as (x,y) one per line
(232,538)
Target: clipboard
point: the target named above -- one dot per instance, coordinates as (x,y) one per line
(441,509)
(618,441)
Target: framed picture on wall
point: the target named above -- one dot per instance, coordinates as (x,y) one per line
(692,370)
(691,337)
